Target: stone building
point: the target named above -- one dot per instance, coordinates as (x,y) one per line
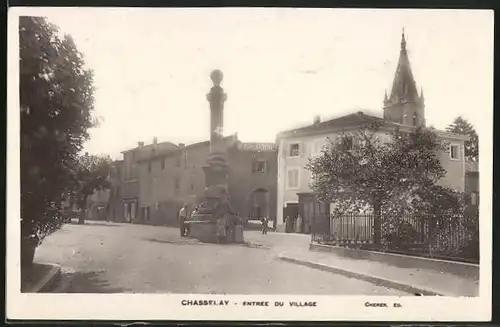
(174,178)
(404,108)
(130,170)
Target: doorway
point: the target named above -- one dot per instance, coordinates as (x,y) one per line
(292,213)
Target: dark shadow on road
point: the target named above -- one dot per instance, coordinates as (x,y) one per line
(95,224)
(255,246)
(187,241)
(84,282)
(190,241)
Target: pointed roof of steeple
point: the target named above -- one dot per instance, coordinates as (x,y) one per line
(403,87)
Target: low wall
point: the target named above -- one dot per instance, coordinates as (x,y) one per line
(466,270)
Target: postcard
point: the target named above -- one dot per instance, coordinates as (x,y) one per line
(249,164)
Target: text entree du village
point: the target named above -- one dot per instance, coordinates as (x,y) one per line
(247,303)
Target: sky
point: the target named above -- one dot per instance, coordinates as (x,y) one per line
(281,67)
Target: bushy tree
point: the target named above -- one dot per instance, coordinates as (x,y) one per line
(56,100)
(361,170)
(462,126)
(91,174)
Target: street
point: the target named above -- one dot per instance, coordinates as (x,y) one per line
(101,257)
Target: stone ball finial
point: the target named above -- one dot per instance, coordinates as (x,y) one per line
(216,76)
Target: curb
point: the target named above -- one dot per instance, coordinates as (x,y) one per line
(367,278)
(47,280)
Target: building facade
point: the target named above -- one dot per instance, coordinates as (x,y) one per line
(175,178)
(130,182)
(404,109)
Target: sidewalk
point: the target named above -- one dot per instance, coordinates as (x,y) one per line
(40,277)
(411,280)
(294,248)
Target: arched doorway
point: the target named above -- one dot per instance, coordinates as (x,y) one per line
(258,204)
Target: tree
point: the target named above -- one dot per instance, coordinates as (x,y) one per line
(56,100)
(462,126)
(91,174)
(361,171)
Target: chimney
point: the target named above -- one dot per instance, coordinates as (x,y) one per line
(140,144)
(317,120)
(155,140)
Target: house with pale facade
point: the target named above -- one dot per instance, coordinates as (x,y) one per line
(403,108)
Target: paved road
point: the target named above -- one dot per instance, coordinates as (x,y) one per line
(110,258)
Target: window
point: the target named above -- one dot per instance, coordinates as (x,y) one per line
(294,150)
(163,163)
(259,166)
(177,162)
(455,152)
(415,119)
(293,178)
(192,186)
(149,166)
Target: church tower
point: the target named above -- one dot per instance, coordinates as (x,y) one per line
(404,105)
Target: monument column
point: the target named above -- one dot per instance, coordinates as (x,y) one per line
(215,206)
(216,170)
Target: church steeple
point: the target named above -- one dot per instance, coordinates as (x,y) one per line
(404,105)
(403,40)
(404,88)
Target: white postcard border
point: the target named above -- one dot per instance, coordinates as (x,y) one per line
(169,306)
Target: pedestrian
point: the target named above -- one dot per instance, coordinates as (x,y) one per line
(265,226)
(182,220)
(221,230)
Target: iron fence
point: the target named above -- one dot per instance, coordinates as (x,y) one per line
(454,237)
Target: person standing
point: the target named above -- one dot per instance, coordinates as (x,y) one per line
(182,220)
(221,231)
(265,226)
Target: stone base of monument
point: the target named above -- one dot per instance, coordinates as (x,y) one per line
(238,234)
(206,232)
(203,231)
